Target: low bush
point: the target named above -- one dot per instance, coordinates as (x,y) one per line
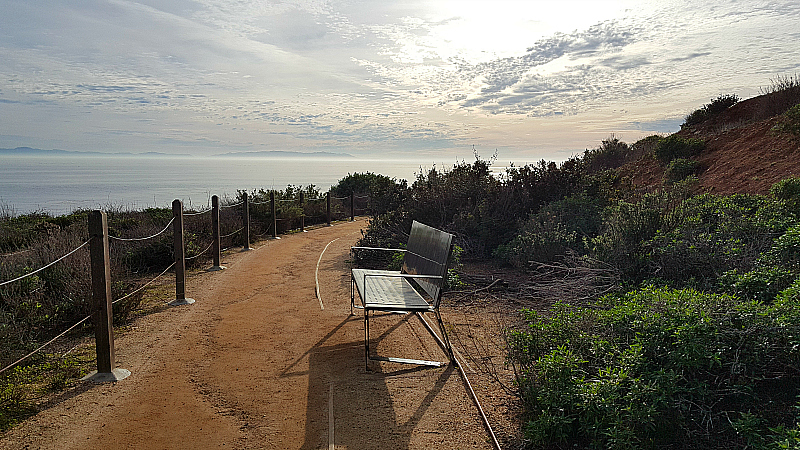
(611,154)
(660,368)
(787,189)
(789,122)
(709,110)
(782,94)
(557,229)
(762,284)
(680,168)
(675,146)
(385,193)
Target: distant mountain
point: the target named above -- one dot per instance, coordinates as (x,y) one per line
(28,151)
(284,154)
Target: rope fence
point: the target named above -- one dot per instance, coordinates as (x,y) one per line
(15,363)
(231,234)
(189,258)
(141,288)
(45,267)
(317,210)
(199,213)
(143,238)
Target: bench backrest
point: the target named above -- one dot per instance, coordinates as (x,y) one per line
(428,253)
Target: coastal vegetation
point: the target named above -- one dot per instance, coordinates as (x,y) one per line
(695,341)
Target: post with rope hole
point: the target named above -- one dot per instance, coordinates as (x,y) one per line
(352,206)
(328,206)
(101,296)
(180,256)
(274,215)
(302,214)
(215,244)
(246,220)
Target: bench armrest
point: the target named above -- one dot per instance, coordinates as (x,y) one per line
(378,248)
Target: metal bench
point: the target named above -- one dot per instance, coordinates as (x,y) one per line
(415,289)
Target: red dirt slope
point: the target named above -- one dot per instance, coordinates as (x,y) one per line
(742,155)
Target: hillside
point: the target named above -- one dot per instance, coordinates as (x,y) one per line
(743,154)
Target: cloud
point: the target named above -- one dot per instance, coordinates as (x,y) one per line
(367,74)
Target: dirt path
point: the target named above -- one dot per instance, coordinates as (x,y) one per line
(257,362)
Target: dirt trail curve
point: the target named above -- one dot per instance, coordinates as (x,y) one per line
(257,363)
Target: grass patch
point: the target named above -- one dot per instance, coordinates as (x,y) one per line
(24,388)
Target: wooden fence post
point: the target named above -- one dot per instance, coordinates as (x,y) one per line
(352,206)
(302,214)
(246,220)
(215,244)
(328,206)
(274,215)
(180,255)
(101,296)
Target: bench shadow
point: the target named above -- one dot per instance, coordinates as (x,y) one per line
(364,415)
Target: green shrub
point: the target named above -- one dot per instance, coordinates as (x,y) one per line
(680,168)
(675,146)
(762,284)
(626,228)
(386,194)
(659,368)
(709,110)
(787,189)
(711,234)
(785,251)
(558,228)
(789,122)
(611,154)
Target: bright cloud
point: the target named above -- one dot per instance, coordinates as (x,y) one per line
(531,78)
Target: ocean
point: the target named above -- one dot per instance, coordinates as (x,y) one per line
(61,184)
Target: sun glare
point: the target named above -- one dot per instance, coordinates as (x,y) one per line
(482,31)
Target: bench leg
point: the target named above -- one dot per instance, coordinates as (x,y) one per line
(366,339)
(445,337)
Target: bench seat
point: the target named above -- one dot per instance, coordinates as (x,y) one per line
(388,290)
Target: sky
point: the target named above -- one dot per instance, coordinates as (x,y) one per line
(526,80)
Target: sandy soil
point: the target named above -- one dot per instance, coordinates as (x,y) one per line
(260,362)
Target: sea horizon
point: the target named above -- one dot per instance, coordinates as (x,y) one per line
(61,184)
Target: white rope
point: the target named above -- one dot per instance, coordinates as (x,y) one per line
(198,255)
(44,345)
(231,234)
(81,321)
(316,274)
(144,238)
(144,285)
(45,267)
(198,213)
(233,205)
